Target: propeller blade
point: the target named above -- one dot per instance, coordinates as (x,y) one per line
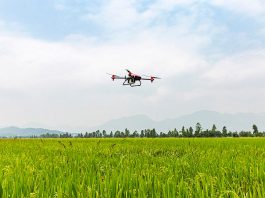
(154,77)
(109,74)
(113,77)
(128,71)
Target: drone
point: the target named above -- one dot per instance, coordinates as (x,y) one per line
(132,79)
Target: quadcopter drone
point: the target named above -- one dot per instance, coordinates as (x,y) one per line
(132,79)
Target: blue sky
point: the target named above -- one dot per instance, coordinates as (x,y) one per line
(57,52)
(56,19)
(44,19)
(53,19)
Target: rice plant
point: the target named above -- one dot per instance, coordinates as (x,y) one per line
(224,167)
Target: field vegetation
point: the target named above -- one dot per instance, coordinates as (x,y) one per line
(135,167)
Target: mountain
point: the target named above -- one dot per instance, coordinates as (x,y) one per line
(133,123)
(15,131)
(233,122)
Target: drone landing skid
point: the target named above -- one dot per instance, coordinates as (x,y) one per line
(127,82)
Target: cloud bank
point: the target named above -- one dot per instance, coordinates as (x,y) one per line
(63,83)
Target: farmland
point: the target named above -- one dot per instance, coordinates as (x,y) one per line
(172,167)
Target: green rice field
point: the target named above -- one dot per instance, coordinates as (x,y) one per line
(217,167)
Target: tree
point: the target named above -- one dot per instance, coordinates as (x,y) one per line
(213,131)
(142,134)
(49,135)
(147,133)
(198,130)
(214,128)
(175,133)
(229,134)
(66,135)
(79,135)
(162,135)
(104,133)
(235,134)
(245,134)
(117,134)
(93,134)
(135,134)
(122,134)
(224,131)
(205,133)
(127,133)
(170,133)
(190,131)
(153,133)
(183,132)
(255,130)
(111,134)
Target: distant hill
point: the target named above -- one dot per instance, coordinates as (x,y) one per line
(233,122)
(136,122)
(15,131)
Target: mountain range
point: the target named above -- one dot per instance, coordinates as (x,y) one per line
(233,122)
(25,132)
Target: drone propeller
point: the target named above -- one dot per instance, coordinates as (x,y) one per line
(128,71)
(109,74)
(113,77)
(152,77)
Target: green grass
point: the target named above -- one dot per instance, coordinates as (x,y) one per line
(132,167)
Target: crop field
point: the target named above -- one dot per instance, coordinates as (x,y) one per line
(225,167)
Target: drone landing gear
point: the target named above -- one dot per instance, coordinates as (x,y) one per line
(136,85)
(132,83)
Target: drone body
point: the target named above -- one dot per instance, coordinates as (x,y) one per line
(132,79)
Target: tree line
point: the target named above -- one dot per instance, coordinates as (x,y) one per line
(152,133)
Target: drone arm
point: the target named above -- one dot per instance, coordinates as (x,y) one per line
(119,77)
(151,78)
(146,79)
(113,76)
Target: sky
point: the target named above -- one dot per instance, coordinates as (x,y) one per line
(54,56)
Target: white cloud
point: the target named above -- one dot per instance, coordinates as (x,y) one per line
(243,67)
(250,8)
(33,60)
(55,83)
(235,83)
(118,14)
(67,82)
